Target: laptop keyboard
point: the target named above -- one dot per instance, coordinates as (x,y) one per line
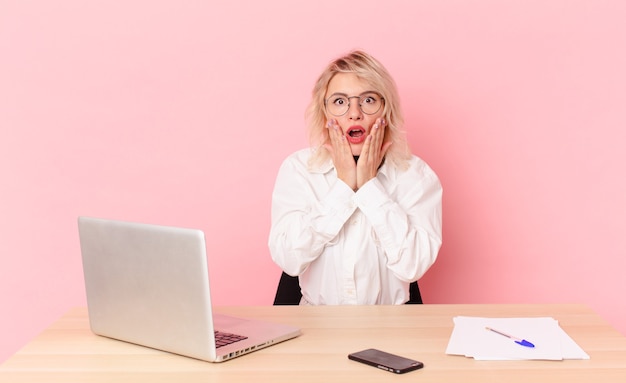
(224,338)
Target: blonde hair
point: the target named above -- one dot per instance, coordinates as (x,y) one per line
(367,68)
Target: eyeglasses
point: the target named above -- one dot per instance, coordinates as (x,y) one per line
(338,104)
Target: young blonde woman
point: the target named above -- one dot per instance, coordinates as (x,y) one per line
(356,216)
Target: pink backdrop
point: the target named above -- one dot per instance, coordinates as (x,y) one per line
(180,112)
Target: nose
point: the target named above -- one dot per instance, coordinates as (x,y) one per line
(354,110)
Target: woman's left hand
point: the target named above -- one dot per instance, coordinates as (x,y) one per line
(372,154)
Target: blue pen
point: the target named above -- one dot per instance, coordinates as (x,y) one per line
(523,342)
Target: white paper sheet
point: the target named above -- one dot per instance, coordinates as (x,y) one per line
(471,338)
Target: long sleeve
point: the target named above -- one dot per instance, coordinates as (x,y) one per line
(406,219)
(355,248)
(307,214)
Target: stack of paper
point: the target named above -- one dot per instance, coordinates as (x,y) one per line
(472,338)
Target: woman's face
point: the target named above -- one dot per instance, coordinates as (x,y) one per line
(346,88)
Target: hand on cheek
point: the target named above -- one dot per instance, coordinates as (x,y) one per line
(341,154)
(373,152)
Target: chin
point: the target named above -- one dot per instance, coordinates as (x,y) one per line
(356,151)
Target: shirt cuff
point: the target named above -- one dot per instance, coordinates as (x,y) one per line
(338,206)
(371,195)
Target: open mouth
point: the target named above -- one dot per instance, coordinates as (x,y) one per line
(356,132)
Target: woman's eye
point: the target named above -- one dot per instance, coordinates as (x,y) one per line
(369,98)
(340,101)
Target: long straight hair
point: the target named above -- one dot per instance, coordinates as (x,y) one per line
(366,68)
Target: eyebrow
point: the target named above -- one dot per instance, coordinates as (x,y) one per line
(346,95)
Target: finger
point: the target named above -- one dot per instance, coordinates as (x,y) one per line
(341,147)
(365,151)
(380,136)
(373,142)
(333,131)
(380,130)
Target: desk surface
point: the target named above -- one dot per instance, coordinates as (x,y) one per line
(67,351)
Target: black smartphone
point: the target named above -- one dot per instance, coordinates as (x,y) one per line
(386,361)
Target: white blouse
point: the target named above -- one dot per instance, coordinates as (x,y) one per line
(362,247)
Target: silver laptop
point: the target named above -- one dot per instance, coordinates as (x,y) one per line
(149,285)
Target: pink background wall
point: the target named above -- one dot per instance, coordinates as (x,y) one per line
(180,113)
